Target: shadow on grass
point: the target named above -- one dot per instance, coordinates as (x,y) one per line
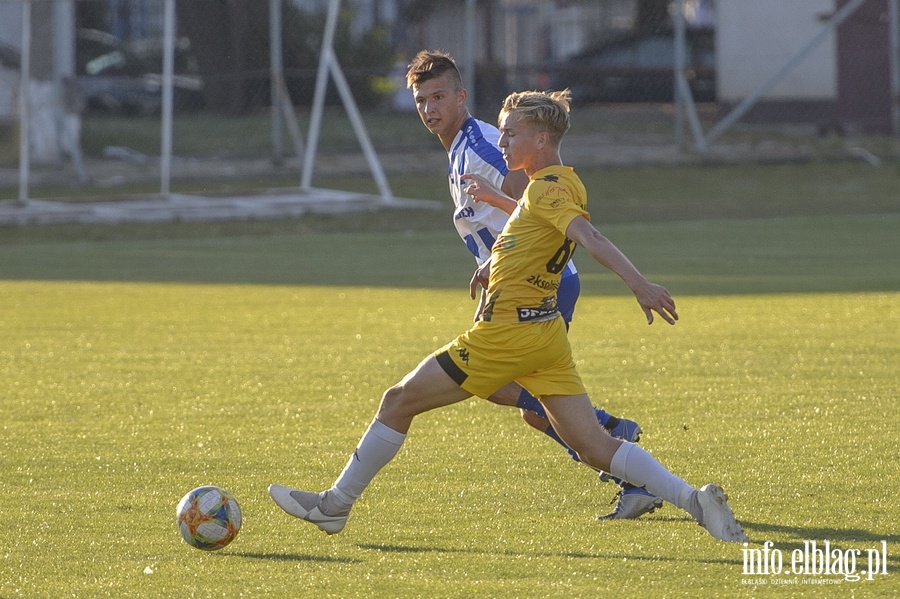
(821,533)
(802,533)
(838,538)
(296,557)
(568,554)
(410,549)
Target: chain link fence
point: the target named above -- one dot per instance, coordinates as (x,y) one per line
(95,101)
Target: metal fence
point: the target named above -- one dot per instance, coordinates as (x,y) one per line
(243,77)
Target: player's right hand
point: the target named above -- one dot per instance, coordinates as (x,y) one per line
(481,189)
(480,279)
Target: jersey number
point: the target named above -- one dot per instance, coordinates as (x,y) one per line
(561,257)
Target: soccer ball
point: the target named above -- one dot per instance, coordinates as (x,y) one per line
(209,518)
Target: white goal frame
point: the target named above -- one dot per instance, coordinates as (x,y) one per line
(328,64)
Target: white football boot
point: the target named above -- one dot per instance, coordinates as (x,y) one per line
(718,519)
(632,502)
(308,506)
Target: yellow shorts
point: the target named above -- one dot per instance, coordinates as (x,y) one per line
(537,355)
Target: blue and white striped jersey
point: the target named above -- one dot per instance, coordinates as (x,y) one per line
(474,150)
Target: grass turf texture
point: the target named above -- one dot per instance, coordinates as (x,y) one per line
(134,371)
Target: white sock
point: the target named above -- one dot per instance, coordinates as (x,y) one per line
(633,464)
(378,446)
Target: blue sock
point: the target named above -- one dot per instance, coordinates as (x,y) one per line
(529,402)
(551,432)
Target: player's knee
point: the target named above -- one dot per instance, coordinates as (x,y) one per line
(396,402)
(392,399)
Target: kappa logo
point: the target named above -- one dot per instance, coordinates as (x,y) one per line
(463,354)
(551,178)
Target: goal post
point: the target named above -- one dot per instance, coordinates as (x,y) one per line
(24,109)
(329,65)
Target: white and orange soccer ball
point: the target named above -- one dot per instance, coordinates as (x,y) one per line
(209,518)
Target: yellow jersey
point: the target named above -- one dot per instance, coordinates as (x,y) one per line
(532,250)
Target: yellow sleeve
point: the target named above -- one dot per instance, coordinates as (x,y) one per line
(557,203)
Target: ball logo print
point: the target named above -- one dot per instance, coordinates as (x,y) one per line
(209,518)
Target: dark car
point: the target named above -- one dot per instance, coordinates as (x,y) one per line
(639,67)
(114,78)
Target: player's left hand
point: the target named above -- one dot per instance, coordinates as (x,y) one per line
(656,298)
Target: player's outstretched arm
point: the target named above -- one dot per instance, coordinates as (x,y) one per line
(482,190)
(650,296)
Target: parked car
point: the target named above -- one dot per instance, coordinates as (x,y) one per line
(639,67)
(114,78)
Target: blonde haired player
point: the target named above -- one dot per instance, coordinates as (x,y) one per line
(471,145)
(520,317)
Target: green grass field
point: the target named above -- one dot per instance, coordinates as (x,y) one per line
(135,367)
